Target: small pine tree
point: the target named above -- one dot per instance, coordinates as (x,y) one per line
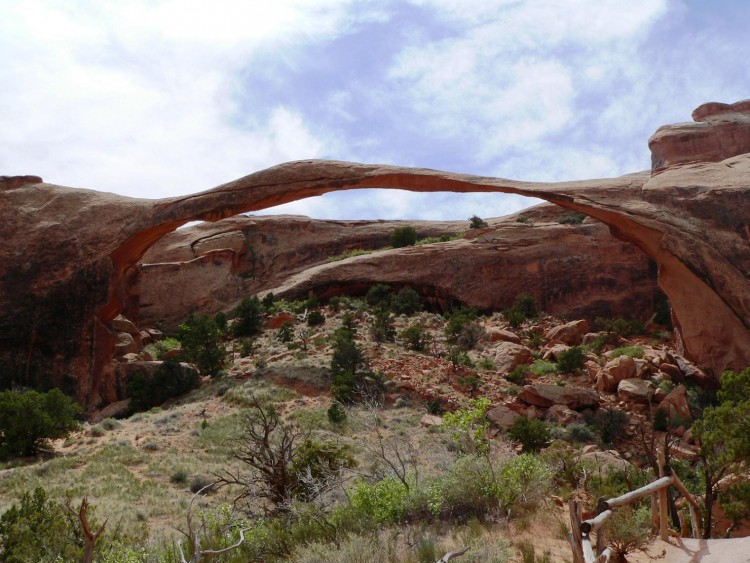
(476,222)
(248,317)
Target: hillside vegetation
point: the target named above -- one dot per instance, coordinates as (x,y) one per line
(371,430)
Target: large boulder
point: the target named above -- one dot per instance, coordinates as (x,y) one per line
(562,415)
(635,390)
(502,417)
(675,404)
(546,395)
(613,372)
(509,355)
(569,333)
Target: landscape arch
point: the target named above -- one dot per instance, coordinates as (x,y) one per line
(689,220)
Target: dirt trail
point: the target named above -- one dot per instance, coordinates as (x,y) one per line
(688,550)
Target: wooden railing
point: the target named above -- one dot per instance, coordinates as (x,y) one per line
(580,540)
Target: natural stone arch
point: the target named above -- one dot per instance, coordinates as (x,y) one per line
(68,254)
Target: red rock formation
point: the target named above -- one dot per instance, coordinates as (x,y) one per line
(575,270)
(69,256)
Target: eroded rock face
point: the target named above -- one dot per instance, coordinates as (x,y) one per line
(70,257)
(575,270)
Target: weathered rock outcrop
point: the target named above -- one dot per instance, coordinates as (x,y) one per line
(69,256)
(573,270)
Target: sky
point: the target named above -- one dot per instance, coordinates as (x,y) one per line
(159,98)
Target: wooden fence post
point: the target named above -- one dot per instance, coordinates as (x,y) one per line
(574,506)
(663,505)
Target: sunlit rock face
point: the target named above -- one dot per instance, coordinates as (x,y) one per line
(70,258)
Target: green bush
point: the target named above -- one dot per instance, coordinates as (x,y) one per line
(248,317)
(571,359)
(469,488)
(476,222)
(532,433)
(403,236)
(286,333)
(29,419)
(610,423)
(385,501)
(202,344)
(315,318)
(524,307)
(470,426)
(414,337)
(39,529)
(379,293)
(518,375)
(523,479)
(571,219)
(470,335)
(381,327)
(348,366)
(336,413)
(632,351)
(459,358)
(620,326)
(170,379)
(543,367)
(456,322)
(406,302)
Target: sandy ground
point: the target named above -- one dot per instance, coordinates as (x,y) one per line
(688,550)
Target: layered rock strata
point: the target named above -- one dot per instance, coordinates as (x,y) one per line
(573,270)
(69,256)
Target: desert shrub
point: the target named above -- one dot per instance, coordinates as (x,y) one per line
(532,433)
(201,483)
(522,219)
(486,363)
(470,426)
(469,488)
(515,318)
(403,236)
(221,321)
(29,419)
(39,529)
(110,424)
(158,349)
(472,382)
(347,366)
(414,337)
(610,423)
(202,344)
(629,529)
(543,367)
(526,304)
(476,222)
(336,413)
(571,219)
(359,548)
(523,479)
(620,326)
(632,351)
(385,501)
(381,327)
(456,322)
(459,358)
(169,380)
(571,359)
(286,333)
(268,301)
(379,293)
(661,420)
(406,302)
(735,502)
(470,335)
(248,317)
(534,339)
(315,318)
(518,374)
(178,476)
(579,432)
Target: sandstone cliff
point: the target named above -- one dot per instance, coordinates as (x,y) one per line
(571,269)
(69,256)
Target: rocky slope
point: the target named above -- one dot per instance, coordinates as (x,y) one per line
(570,269)
(70,257)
